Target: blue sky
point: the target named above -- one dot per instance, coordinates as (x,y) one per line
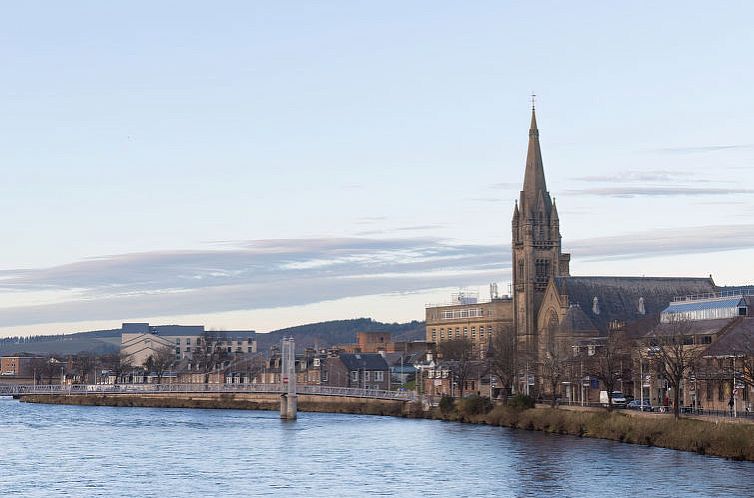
(263,164)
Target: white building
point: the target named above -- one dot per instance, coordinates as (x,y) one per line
(140,340)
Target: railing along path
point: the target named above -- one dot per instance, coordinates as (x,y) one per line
(56,389)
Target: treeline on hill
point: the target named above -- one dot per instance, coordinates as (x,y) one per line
(324,334)
(96,341)
(33,339)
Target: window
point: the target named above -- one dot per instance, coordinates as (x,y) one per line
(465,332)
(706,339)
(250,349)
(709,390)
(366,374)
(178,341)
(188,341)
(720,394)
(355,375)
(379,376)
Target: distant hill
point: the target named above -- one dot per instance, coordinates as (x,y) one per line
(96,341)
(320,334)
(325,334)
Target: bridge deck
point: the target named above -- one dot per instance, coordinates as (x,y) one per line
(19,390)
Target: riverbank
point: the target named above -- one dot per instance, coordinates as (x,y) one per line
(714,438)
(725,439)
(306,403)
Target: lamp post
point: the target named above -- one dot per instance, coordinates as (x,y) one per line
(733,385)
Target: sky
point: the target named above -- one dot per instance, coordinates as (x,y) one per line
(256,165)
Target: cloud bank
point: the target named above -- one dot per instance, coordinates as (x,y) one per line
(290,272)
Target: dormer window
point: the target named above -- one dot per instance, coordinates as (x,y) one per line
(596,305)
(642,309)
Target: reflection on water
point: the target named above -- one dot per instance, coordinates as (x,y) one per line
(48,450)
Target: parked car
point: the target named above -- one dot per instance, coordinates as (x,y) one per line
(619,400)
(637,404)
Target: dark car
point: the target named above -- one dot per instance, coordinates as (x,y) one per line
(637,405)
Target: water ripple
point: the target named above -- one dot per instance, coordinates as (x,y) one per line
(49,451)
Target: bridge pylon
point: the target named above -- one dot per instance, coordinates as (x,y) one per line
(289,398)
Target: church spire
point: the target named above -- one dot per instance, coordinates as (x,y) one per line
(534,176)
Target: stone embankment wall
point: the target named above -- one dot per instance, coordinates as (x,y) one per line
(240,401)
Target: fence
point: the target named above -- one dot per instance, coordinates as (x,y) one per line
(18,390)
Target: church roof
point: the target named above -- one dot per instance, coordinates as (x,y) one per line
(618,298)
(575,320)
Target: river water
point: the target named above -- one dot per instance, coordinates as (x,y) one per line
(53,450)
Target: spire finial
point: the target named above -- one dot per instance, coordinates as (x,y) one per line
(533,100)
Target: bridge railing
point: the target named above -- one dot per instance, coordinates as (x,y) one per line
(80,389)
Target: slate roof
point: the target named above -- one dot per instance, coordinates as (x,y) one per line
(618,297)
(363,361)
(737,340)
(694,327)
(575,320)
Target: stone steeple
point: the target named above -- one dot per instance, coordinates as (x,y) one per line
(537,256)
(534,175)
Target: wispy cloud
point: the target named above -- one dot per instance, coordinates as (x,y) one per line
(664,242)
(652,176)
(253,275)
(702,149)
(506,185)
(648,191)
(417,228)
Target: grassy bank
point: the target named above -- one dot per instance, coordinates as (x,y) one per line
(722,439)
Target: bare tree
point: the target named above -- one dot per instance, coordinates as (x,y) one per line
(458,353)
(116,363)
(554,365)
(610,363)
(38,369)
(49,369)
(208,355)
(674,355)
(503,358)
(85,364)
(161,360)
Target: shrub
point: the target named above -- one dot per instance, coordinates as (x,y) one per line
(446,404)
(475,405)
(521,402)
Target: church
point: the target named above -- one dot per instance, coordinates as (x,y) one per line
(551,308)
